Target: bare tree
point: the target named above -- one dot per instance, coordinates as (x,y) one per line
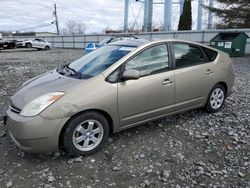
(161,25)
(106,29)
(73,28)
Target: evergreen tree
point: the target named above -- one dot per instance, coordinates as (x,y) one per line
(185,22)
(232,14)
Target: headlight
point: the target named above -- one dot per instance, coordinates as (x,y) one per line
(36,106)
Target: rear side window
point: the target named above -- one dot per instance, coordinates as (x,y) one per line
(211,54)
(187,55)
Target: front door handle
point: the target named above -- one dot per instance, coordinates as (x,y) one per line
(209,71)
(167,81)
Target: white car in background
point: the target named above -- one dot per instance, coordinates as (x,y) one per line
(35,43)
(1,42)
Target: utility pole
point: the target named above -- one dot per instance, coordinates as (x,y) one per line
(200,14)
(181,6)
(55,14)
(167,15)
(210,15)
(126,16)
(148,13)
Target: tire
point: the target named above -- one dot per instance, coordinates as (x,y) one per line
(47,48)
(216,98)
(28,45)
(80,139)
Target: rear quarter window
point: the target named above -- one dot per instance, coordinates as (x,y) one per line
(211,54)
(187,55)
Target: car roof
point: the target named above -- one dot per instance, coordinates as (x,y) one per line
(139,42)
(129,42)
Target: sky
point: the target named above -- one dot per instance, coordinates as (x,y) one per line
(28,15)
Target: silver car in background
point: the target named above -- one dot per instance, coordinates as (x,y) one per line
(37,43)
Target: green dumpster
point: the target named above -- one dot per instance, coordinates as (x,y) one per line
(232,43)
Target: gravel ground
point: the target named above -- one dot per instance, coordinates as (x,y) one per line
(193,149)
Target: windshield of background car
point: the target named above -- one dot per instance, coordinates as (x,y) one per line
(99,60)
(90,45)
(105,41)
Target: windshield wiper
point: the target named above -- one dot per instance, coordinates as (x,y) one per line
(76,73)
(68,71)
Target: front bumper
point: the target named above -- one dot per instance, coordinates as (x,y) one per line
(21,44)
(34,134)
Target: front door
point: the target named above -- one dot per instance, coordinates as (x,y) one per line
(35,43)
(152,95)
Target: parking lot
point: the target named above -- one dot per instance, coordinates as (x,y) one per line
(193,149)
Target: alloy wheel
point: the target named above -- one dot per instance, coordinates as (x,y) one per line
(217,98)
(88,135)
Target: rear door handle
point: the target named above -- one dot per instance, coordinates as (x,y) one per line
(209,71)
(167,81)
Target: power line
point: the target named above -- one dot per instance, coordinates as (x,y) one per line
(38,26)
(132,11)
(135,17)
(24,13)
(33,11)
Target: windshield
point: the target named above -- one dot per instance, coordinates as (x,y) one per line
(99,60)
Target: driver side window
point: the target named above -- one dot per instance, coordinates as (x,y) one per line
(151,61)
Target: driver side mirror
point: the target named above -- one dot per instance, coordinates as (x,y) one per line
(131,74)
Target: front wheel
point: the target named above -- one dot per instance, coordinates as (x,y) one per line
(28,45)
(216,98)
(85,134)
(47,48)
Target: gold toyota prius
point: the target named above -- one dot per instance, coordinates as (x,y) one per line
(77,106)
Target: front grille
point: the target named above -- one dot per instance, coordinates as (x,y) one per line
(14,109)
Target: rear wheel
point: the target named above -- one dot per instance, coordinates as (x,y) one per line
(216,98)
(85,134)
(28,45)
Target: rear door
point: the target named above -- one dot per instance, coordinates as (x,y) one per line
(152,95)
(194,75)
(42,43)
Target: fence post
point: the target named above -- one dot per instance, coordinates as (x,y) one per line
(62,42)
(84,41)
(203,35)
(74,41)
(52,38)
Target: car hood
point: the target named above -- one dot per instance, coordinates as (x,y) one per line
(40,85)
